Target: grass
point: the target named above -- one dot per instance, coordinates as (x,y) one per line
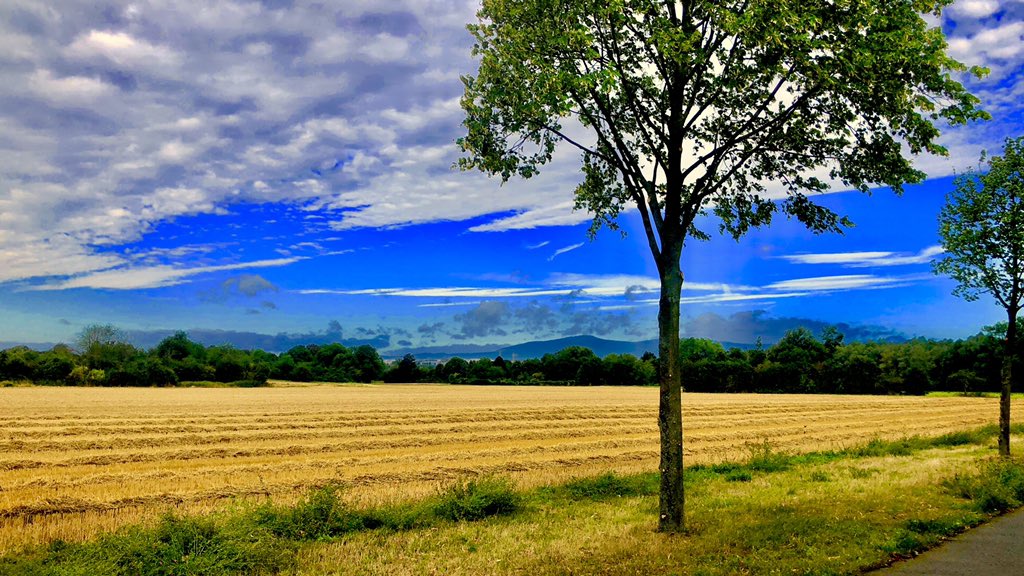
(952,394)
(831,512)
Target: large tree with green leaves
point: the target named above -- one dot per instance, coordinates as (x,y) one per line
(982,230)
(740,108)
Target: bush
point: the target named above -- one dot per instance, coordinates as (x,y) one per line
(477,499)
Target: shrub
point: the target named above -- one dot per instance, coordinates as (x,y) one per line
(477,499)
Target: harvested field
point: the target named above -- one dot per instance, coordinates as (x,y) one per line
(77,461)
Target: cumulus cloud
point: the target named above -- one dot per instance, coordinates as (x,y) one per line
(115,120)
(485,319)
(244,286)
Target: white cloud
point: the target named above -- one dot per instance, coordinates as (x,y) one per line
(557,285)
(57,256)
(385,48)
(67,89)
(560,214)
(617,284)
(830,283)
(561,251)
(974,8)
(995,47)
(124,50)
(718,298)
(132,278)
(123,118)
(446,292)
(867,259)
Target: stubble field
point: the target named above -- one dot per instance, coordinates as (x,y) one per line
(78,461)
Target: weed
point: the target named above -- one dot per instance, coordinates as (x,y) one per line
(904,543)
(739,476)
(996,487)
(819,476)
(941,527)
(764,458)
(861,473)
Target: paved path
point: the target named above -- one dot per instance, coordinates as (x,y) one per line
(995,548)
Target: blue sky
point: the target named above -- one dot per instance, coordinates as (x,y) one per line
(285,167)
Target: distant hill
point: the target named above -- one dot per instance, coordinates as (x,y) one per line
(537,348)
(37,346)
(600,346)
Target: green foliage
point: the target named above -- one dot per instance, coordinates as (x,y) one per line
(477,499)
(320,515)
(642,75)
(177,546)
(982,230)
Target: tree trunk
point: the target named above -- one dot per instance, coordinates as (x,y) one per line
(670,409)
(1009,356)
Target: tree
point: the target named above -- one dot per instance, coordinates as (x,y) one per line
(367,365)
(694,107)
(99,334)
(982,230)
(178,347)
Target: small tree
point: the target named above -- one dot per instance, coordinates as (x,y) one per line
(982,230)
(681,108)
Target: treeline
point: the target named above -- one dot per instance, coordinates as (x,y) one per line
(106,360)
(800,362)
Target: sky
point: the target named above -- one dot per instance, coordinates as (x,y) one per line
(285,168)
